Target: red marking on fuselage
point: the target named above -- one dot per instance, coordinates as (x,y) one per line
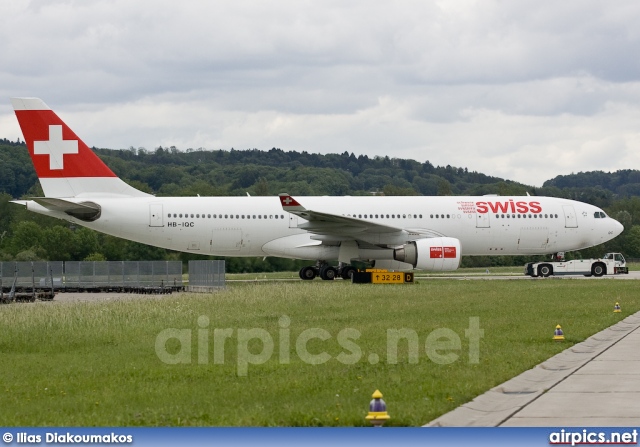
(509,207)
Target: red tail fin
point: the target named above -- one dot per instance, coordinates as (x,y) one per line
(64,164)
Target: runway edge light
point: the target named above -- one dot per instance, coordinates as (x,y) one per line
(616,308)
(377,415)
(558,335)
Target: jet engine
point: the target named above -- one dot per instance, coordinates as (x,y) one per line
(438,253)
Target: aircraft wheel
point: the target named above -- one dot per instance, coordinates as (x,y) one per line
(307,273)
(328,273)
(598,270)
(347,272)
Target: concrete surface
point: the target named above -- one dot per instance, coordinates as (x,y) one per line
(593,383)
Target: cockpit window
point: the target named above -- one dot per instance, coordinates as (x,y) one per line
(599,215)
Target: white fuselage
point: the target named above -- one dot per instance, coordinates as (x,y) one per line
(258,226)
(420,232)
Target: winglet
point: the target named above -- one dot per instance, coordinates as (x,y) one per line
(289,203)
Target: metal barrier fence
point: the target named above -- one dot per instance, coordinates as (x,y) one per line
(122,274)
(126,276)
(206,275)
(28,274)
(93,275)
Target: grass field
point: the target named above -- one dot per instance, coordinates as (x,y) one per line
(98,363)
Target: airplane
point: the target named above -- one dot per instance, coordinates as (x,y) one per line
(397,233)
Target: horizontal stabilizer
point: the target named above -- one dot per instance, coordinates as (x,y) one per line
(86,211)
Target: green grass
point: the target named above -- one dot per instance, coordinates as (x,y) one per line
(95,364)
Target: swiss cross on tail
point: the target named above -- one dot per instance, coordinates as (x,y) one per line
(55,147)
(56,151)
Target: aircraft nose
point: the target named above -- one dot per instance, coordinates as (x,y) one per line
(617,228)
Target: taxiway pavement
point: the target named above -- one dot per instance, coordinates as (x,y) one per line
(595,383)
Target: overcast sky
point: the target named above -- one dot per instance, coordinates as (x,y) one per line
(523,90)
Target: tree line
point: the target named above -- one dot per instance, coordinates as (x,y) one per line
(170,172)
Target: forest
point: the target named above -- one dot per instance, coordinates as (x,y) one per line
(25,236)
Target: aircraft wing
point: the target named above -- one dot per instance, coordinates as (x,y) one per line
(327,224)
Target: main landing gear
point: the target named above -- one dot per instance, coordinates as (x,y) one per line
(326,272)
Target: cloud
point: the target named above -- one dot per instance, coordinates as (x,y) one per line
(523,90)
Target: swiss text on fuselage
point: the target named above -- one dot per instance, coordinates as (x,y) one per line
(509,207)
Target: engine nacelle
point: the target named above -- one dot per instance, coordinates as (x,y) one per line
(438,253)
